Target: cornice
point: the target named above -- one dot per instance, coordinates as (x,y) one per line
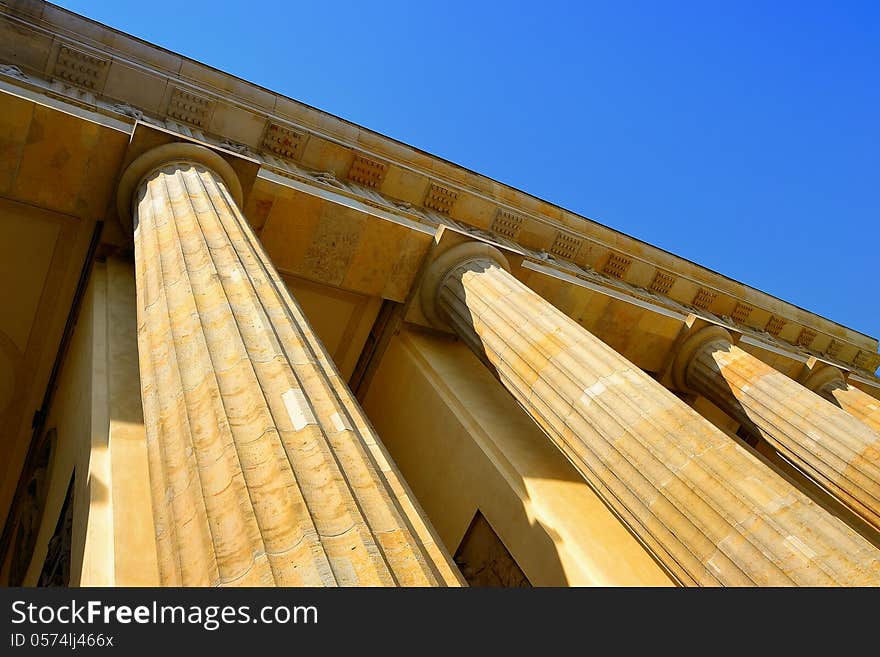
(83,63)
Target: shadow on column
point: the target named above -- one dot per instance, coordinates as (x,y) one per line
(465,448)
(752,438)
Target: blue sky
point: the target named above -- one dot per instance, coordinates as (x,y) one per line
(742,135)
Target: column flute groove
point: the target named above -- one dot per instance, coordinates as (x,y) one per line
(262,472)
(760,414)
(840,452)
(349,454)
(641,449)
(708,510)
(830,384)
(343,400)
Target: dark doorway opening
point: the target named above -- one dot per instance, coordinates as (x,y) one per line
(484,560)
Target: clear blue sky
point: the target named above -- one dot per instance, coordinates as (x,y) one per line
(742,135)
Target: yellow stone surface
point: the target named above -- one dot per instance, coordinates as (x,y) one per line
(98,398)
(708,510)
(829,382)
(247,460)
(837,450)
(263,469)
(480,451)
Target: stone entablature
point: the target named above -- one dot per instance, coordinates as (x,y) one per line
(67,57)
(706,433)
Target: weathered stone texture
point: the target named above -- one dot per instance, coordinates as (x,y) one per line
(708,509)
(264,470)
(829,382)
(837,450)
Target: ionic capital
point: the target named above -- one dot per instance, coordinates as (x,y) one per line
(833,443)
(148,163)
(822,376)
(682,486)
(440,269)
(692,345)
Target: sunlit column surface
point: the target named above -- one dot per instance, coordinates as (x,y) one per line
(829,382)
(264,470)
(837,450)
(710,512)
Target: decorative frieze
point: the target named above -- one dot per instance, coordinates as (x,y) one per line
(284,141)
(12,71)
(128,110)
(234,146)
(617,265)
(78,96)
(834,348)
(507,223)
(704,298)
(440,198)
(663,282)
(79,68)
(566,245)
(190,108)
(805,337)
(76,73)
(741,312)
(867,360)
(367,172)
(186,130)
(774,325)
(328,178)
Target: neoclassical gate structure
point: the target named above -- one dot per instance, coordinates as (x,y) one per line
(245,342)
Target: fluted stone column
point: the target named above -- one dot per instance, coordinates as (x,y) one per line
(829,382)
(264,470)
(709,511)
(838,451)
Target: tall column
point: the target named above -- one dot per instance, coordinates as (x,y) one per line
(829,383)
(708,510)
(838,451)
(264,470)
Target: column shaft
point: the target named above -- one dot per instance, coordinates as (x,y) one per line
(709,511)
(264,470)
(829,383)
(838,451)
(857,403)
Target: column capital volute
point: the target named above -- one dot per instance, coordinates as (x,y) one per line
(821,376)
(147,163)
(442,266)
(691,345)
